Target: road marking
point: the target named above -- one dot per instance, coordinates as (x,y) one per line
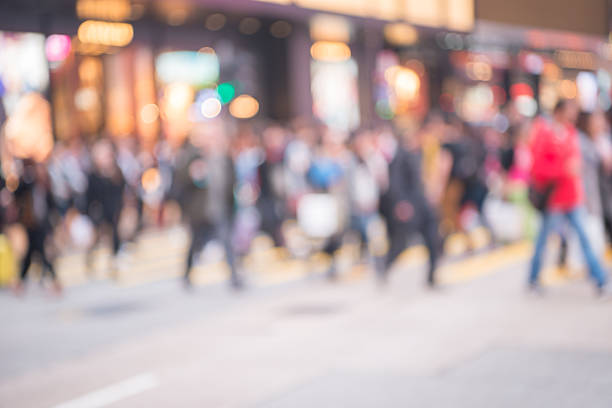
(484,264)
(113,393)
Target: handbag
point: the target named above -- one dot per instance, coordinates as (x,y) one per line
(539,196)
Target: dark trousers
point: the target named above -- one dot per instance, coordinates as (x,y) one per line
(425,224)
(36,245)
(116,241)
(201,234)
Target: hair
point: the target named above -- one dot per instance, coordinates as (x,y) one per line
(583,122)
(560,105)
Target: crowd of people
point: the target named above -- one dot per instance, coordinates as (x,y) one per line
(389,185)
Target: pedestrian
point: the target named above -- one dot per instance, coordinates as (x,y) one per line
(366,171)
(271,200)
(204,187)
(405,208)
(35,203)
(105,189)
(328,176)
(556,179)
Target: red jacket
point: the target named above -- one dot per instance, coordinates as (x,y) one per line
(555,152)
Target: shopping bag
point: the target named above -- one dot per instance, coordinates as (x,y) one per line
(505,219)
(319,215)
(8,267)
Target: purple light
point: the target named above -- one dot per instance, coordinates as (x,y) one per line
(57,47)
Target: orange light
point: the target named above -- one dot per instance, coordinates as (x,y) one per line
(405,81)
(330,51)
(401,34)
(407,84)
(105,33)
(568,89)
(115,10)
(244,107)
(149,113)
(151,180)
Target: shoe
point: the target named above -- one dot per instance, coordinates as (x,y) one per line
(332,273)
(535,288)
(237,284)
(56,288)
(18,289)
(603,292)
(187,285)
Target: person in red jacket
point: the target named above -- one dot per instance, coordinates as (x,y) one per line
(556,164)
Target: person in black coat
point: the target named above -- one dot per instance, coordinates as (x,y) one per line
(406,209)
(105,190)
(35,204)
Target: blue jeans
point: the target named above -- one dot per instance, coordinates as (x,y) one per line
(575,218)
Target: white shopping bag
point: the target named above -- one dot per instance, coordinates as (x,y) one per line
(319,215)
(82,231)
(505,219)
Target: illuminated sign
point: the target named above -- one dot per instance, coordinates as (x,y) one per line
(576,59)
(105,33)
(114,10)
(330,51)
(193,68)
(450,14)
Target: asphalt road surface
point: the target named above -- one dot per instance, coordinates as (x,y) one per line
(293,339)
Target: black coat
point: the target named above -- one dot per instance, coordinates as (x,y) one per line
(405,184)
(105,198)
(206,201)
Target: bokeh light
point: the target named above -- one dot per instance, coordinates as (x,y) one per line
(280,29)
(226,92)
(215,22)
(149,113)
(330,51)
(151,180)
(105,33)
(57,47)
(249,25)
(401,34)
(210,108)
(244,107)
(568,89)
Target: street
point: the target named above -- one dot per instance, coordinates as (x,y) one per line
(297,340)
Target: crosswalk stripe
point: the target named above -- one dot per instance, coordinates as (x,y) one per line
(484,264)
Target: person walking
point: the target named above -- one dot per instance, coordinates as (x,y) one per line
(405,207)
(105,189)
(556,176)
(204,187)
(35,203)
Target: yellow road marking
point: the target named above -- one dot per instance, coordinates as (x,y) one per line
(484,264)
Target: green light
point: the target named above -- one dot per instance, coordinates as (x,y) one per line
(226,92)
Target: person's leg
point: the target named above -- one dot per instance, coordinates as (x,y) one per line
(562,261)
(116,239)
(27,259)
(48,265)
(397,243)
(595,269)
(431,238)
(39,246)
(224,232)
(195,244)
(540,245)
(89,255)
